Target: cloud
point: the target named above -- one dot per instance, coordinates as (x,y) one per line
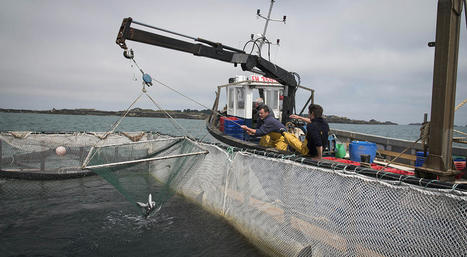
(365,59)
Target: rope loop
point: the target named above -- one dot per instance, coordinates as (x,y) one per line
(345,168)
(429,182)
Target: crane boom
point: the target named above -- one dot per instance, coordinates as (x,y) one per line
(217,51)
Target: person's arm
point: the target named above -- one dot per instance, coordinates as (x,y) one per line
(265,128)
(319,150)
(248,130)
(293,116)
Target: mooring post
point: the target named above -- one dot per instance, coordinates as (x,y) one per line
(439,160)
(425,146)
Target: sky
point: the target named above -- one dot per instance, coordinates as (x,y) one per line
(365,59)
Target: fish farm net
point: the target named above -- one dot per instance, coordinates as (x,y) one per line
(129,167)
(31,155)
(290,206)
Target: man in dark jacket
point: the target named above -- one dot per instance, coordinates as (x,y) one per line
(317,132)
(269,131)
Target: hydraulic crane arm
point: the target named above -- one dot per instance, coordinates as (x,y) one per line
(216,51)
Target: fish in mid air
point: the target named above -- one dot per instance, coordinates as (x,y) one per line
(149,207)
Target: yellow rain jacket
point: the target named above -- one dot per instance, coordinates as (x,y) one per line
(296,144)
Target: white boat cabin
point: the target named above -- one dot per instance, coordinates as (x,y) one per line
(242,91)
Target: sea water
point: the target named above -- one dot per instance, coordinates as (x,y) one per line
(88,217)
(196,128)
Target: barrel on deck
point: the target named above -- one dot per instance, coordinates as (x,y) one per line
(357,148)
(420,158)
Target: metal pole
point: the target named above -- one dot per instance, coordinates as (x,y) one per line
(306,104)
(263,39)
(164,30)
(144,160)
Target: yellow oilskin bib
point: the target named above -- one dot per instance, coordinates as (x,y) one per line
(296,144)
(275,140)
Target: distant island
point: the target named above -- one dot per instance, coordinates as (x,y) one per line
(338,119)
(179,114)
(419,124)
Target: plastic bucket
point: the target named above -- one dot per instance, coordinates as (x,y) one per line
(357,148)
(340,151)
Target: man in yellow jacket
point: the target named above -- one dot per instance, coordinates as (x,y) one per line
(269,131)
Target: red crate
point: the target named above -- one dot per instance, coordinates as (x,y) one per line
(222,120)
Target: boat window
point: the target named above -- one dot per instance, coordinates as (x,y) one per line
(231,98)
(240,98)
(272,97)
(275,99)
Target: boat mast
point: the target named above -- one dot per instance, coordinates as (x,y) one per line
(439,160)
(263,39)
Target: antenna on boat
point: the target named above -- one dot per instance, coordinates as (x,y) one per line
(261,38)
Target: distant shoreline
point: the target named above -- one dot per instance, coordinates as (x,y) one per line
(137,112)
(179,114)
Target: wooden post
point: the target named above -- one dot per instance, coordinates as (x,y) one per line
(425,146)
(213,116)
(42,156)
(1,154)
(439,160)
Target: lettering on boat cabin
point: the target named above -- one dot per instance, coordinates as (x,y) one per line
(257,78)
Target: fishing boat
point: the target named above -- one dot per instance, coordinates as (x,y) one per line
(290,205)
(240,94)
(240,109)
(285,204)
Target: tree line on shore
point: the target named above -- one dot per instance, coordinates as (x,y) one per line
(183,114)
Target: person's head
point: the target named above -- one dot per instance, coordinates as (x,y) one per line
(263,112)
(258,102)
(315,111)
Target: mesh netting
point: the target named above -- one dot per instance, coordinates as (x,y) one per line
(128,167)
(291,209)
(34,155)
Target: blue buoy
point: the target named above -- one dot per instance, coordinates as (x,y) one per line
(147,79)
